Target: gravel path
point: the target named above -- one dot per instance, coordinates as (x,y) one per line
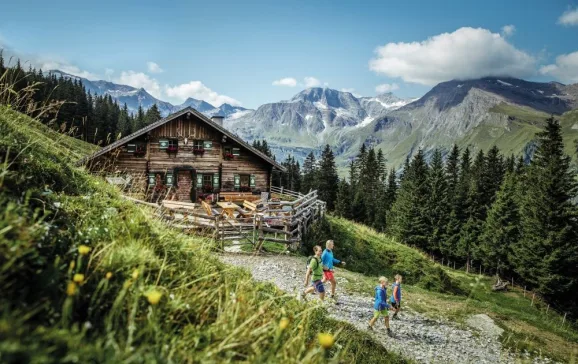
(415,336)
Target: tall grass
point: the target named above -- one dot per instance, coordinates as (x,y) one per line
(88,277)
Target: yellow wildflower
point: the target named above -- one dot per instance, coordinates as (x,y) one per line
(135,274)
(78,278)
(83,249)
(72,265)
(127,284)
(108,275)
(71,289)
(154,296)
(283,323)
(325,340)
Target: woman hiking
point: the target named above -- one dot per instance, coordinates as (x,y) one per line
(328,261)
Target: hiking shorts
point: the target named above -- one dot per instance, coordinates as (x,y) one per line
(382,313)
(319,287)
(328,275)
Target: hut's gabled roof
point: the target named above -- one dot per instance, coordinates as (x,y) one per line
(173,116)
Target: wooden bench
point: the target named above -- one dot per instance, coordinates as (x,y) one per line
(209,210)
(178,205)
(238,196)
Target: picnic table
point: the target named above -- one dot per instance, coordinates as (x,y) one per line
(229,208)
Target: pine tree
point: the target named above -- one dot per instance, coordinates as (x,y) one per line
(459,213)
(152,115)
(492,175)
(501,229)
(328,179)
(438,207)
(343,203)
(124,126)
(546,256)
(139,119)
(409,222)
(310,171)
(475,212)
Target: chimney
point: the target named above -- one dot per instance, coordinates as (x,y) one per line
(218,119)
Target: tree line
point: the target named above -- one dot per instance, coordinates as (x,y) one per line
(97,119)
(515,218)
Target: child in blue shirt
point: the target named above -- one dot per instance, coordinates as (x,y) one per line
(380,307)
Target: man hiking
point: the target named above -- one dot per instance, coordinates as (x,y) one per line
(396,295)
(315,272)
(328,260)
(380,307)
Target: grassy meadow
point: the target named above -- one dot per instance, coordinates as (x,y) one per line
(88,276)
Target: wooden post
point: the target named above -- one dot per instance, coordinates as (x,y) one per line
(564,319)
(533,296)
(547,309)
(512,282)
(442,261)
(480,269)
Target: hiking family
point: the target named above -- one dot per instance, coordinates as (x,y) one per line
(320,270)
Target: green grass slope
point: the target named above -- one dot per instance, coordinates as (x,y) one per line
(439,291)
(142,293)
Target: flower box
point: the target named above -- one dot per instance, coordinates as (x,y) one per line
(172,149)
(198,151)
(245,189)
(229,156)
(207,189)
(140,152)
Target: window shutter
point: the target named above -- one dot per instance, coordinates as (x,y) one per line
(169,179)
(199,180)
(131,148)
(215,180)
(152,179)
(252,180)
(237,181)
(163,143)
(208,144)
(236,152)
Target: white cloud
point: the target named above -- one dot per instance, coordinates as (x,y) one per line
(508,30)
(386,87)
(197,90)
(43,62)
(565,69)
(464,54)
(569,18)
(287,81)
(311,82)
(140,80)
(154,67)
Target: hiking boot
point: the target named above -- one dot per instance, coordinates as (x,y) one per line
(394,317)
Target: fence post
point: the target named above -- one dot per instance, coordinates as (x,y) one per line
(564,319)
(533,296)
(480,269)
(512,282)
(442,261)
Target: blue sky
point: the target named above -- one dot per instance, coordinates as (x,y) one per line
(234,51)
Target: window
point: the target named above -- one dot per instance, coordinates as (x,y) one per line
(205,182)
(138,149)
(208,144)
(244,182)
(163,144)
(198,144)
(236,152)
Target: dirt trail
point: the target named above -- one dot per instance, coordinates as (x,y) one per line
(415,336)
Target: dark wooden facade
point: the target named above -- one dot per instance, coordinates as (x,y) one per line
(186,156)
